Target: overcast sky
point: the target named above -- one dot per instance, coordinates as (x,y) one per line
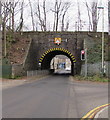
(71,15)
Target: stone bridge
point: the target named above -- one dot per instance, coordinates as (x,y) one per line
(46,45)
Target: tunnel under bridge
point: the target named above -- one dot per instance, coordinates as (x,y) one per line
(45,46)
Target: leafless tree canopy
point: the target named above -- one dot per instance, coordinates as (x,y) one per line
(43,15)
(60,9)
(48,16)
(93,15)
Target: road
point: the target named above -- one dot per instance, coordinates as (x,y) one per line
(53,97)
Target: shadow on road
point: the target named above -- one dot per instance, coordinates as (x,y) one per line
(62,74)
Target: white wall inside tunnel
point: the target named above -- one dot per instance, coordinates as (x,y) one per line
(60,62)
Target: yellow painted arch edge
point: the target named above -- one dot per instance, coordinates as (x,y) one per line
(91,113)
(59,49)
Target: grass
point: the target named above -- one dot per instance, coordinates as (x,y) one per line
(95,78)
(16,77)
(10,77)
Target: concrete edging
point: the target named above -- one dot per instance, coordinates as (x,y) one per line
(102,113)
(92,114)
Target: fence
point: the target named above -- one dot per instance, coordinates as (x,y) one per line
(93,69)
(37,73)
(6,68)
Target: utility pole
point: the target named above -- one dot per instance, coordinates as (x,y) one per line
(86,62)
(4,30)
(102,39)
(109,16)
(0,15)
(85,49)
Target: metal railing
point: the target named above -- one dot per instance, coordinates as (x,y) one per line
(37,73)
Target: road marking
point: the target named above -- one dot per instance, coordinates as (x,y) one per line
(91,113)
(97,115)
(60,49)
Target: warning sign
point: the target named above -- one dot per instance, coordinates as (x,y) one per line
(57,41)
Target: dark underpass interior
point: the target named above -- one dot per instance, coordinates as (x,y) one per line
(58,62)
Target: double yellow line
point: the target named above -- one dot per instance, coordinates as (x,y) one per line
(93,112)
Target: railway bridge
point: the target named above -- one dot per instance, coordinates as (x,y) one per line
(46,45)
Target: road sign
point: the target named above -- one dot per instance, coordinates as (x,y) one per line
(57,41)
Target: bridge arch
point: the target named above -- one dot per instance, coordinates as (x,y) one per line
(47,56)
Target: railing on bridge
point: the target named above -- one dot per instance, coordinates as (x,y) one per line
(35,73)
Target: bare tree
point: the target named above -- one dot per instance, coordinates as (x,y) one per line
(20,27)
(32,16)
(93,15)
(4,20)
(9,17)
(57,11)
(79,17)
(41,14)
(45,15)
(57,8)
(60,9)
(13,6)
(88,11)
(38,13)
(65,9)
(67,25)
(8,13)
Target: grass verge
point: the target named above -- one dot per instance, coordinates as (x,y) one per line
(95,78)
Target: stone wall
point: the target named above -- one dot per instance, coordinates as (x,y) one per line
(42,41)
(95,69)
(21,69)
(17,70)
(108,69)
(37,73)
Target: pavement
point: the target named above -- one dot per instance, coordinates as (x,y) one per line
(104,113)
(53,97)
(8,83)
(98,112)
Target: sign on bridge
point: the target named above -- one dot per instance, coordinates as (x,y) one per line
(57,41)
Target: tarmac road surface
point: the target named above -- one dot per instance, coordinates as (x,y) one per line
(53,97)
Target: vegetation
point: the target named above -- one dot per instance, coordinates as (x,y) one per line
(16,77)
(95,78)
(94,54)
(94,50)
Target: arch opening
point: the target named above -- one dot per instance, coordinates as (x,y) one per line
(46,59)
(61,64)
